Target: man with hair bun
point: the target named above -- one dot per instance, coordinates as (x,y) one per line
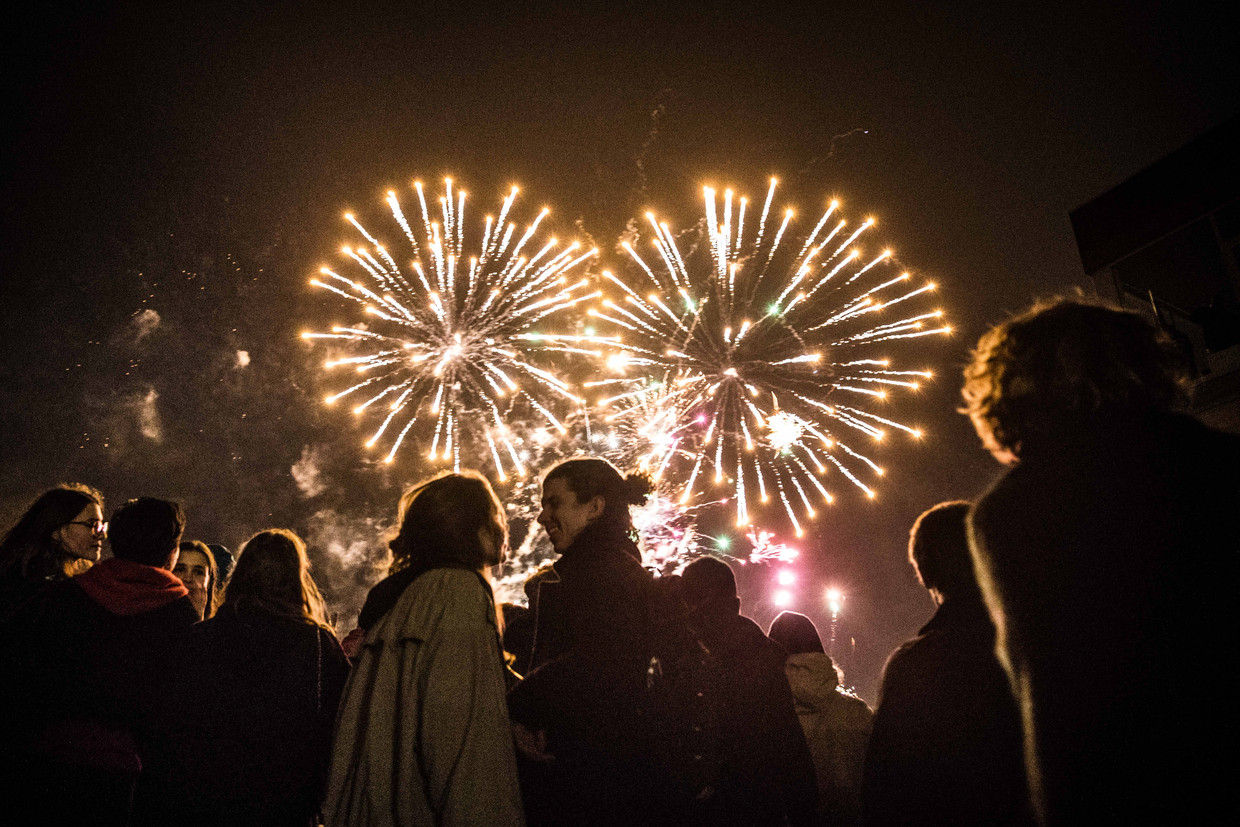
(596,600)
(578,714)
(1108,556)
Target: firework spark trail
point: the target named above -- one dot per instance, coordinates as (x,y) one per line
(454,347)
(760,384)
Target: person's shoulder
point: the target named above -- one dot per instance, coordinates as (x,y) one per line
(1208,444)
(912,657)
(180,613)
(437,599)
(854,708)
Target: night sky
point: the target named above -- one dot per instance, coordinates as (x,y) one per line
(172,178)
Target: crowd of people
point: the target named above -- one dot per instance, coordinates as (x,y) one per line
(169,684)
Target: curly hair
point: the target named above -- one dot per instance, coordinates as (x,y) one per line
(1064,364)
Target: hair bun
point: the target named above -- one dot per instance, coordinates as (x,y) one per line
(638,486)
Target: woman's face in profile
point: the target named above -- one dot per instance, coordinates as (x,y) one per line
(494,540)
(83,537)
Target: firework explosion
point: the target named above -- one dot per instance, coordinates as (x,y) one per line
(450,342)
(753,360)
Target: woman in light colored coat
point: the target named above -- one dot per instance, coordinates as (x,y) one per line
(836,724)
(423,736)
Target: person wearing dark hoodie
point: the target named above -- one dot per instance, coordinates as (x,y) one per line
(766,772)
(577,715)
(91,662)
(836,723)
(946,745)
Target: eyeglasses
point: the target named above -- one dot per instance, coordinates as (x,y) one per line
(95,526)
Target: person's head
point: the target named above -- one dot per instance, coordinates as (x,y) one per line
(223,560)
(147,531)
(272,576)
(197,570)
(1065,365)
(938,548)
(61,527)
(453,520)
(708,586)
(588,491)
(796,633)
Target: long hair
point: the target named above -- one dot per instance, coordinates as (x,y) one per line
(213,574)
(272,575)
(589,477)
(28,548)
(1065,364)
(442,523)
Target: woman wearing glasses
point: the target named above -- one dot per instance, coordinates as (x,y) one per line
(60,535)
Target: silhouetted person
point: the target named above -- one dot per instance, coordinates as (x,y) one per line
(1109,556)
(766,773)
(92,664)
(946,745)
(836,724)
(248,729)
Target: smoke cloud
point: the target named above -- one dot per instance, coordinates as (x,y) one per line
(143,324)
(350,555)
(307,472)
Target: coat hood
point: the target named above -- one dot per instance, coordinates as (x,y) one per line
(813,679)
(126,588)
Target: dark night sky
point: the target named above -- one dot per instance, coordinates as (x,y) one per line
(195,164)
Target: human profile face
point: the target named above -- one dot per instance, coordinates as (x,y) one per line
(82,537)
(494,539)
(563,516)
(194,570)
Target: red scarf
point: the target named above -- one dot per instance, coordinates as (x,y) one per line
(124,587)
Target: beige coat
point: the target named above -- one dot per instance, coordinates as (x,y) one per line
(837,727)
(423,736)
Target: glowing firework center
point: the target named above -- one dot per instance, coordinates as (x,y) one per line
(755,361)
(449,341)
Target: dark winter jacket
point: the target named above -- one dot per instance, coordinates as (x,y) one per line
(596,601)
(946,743)
(88,665)
(766,773)
(17,588)
(587,691)
(1110,561)
(250,736)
